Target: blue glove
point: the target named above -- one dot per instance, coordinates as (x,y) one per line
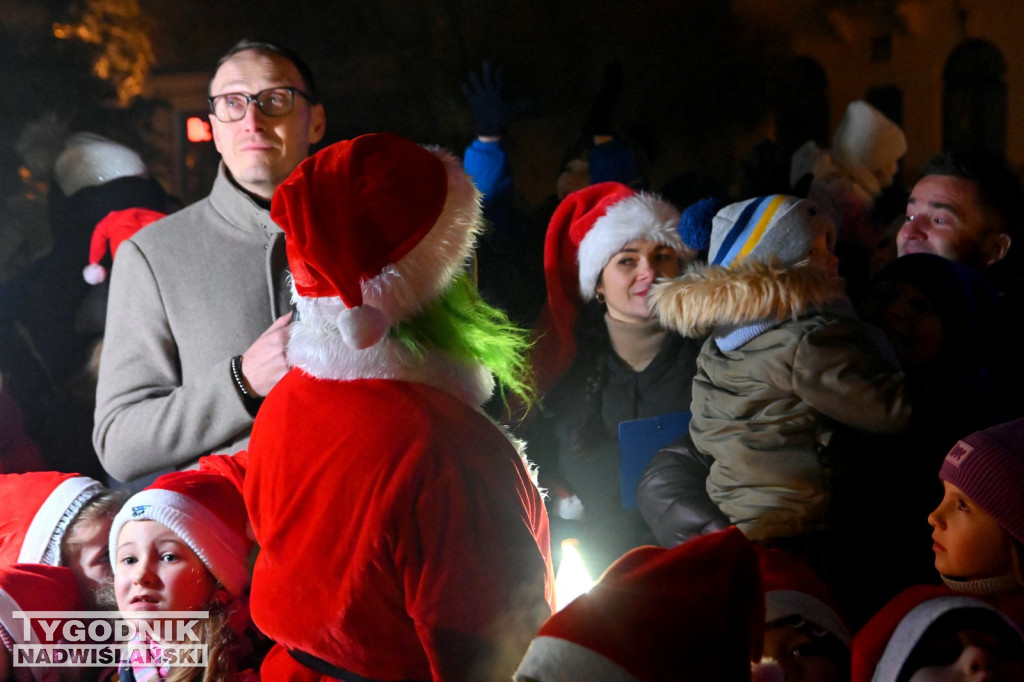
(491,111)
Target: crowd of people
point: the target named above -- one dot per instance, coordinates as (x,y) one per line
(352,403)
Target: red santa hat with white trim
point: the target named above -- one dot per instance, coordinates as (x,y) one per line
(403,219)
(792,588)
(587,228)
(883,645)
(206,510)
(40,507)
(693,612)
(35,587)
(113,229)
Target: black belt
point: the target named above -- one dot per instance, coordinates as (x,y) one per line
(324,668)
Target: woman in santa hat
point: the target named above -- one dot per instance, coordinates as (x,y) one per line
(604,357)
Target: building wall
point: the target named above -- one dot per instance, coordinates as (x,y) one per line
(923,35)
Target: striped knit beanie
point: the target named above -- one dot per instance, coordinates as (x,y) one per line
(776,227)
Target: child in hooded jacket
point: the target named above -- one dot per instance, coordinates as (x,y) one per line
(785,356)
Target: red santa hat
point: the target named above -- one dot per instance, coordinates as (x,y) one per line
(587,228)
(115,227)
(89,160)
(791,588)
(882,646)
(376,227)
(206,510)
(35,587)
(694,612)
(40,507)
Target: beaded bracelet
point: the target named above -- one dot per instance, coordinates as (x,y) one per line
(252,402)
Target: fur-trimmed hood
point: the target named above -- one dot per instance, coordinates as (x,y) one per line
(705,296)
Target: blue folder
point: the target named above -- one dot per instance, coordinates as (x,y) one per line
(639,441)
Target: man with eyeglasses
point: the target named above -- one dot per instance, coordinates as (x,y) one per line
(198,313)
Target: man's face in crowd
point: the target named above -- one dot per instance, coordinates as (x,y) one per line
(945,217)
(260,150)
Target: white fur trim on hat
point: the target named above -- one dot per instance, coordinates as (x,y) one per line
(219,547)
(641,216)
(782,603)
(553,659)
(914,625)
(42,539)
(403,288)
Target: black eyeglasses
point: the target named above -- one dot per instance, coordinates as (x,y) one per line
(272,102)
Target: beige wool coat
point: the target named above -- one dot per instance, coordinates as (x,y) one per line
(187,293)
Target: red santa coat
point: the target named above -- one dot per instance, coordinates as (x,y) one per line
(389,515)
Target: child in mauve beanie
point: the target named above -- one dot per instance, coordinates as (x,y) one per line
(978,528)
(786,354)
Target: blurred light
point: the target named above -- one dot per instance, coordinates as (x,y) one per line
(572,578)
(197,129)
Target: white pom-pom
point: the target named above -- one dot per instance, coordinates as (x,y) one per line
(362,326)
(94,273)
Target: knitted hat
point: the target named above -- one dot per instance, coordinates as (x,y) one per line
(206,511)
(694,612)
(39,507)
(774,227)
(376,227)
(587,228)
(114,229)
(881,648)
(988,466)
(35,587)
(791,588)
(866,141)
(89,160)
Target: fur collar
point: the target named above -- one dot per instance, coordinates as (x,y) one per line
(705,296)
(322,352)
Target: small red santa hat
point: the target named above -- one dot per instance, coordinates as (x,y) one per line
(40,507)
(115,227)
(206,510)
(694,612)
(792,588)
(376,227)
(89,160)
(35,587)
(588,227)
(882,646)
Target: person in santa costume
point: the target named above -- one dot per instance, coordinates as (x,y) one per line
(401,533)
(60,519)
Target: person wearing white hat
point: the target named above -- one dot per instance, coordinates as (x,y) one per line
(198,307)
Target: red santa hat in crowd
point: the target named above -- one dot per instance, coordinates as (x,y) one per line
(206,510)
(587,228)
(883,645)
(694,612)
(792,588)
(40,507)
(35,587)
(115,227)
(376,228)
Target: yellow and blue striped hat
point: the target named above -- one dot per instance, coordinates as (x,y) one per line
(764,228)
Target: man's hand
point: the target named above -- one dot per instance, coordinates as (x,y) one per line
(264,363)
